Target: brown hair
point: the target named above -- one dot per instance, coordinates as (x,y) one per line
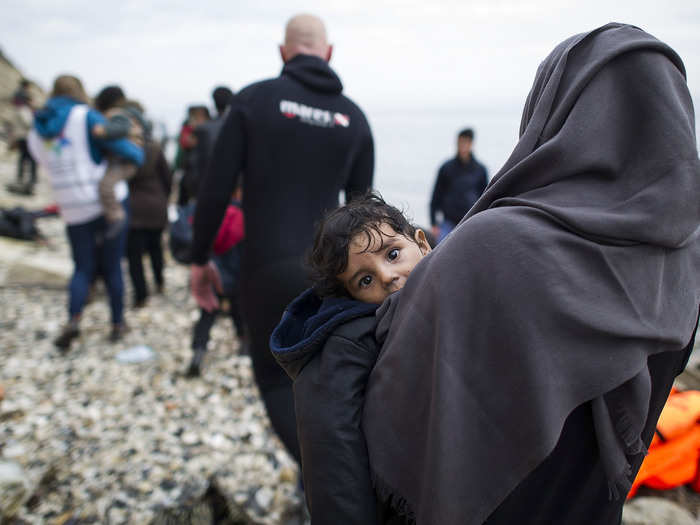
(69,86)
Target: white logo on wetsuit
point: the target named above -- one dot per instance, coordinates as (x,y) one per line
(313,116)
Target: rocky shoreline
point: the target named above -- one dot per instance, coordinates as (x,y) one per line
(114,433)
(98,439)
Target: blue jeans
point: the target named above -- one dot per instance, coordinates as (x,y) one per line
(89,246)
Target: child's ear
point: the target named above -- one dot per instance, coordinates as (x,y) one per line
(422,242)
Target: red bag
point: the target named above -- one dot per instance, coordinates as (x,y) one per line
(231,231)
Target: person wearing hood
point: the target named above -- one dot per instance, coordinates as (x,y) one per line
(526,360)
(362,253)
(297,142)
(62,142)
(205,135)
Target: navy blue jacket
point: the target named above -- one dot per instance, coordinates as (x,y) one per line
(457,188)
(327,347)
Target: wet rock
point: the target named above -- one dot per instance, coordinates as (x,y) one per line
(656,511)
(106,441)
(21,269)
(15,489)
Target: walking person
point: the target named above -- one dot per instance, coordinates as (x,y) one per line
(206,133)
(124,121)
(23,117)
(149,191)
(227,251)
(186,158)
(62,141)
(297,142)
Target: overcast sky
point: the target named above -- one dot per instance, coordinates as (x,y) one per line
(409,54)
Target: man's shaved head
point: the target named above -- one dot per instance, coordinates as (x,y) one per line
(305,34)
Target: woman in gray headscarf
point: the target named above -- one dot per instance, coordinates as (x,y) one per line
(526,361)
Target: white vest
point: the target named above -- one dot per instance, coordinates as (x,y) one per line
(74,176)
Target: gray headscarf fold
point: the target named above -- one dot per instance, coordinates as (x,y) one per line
(580,261)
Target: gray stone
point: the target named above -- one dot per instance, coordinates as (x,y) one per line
(15,489)
(23,266)
(656,511)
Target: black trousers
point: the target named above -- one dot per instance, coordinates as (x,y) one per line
(266,292)
(24,159)
(144,241)
(202,328)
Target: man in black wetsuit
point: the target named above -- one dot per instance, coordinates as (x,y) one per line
(297,142)
(460,182)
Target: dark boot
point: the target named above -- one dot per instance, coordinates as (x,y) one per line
(69,332)
(195,368)
(139,302)
(118,332)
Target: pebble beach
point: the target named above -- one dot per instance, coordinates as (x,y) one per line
(116,434)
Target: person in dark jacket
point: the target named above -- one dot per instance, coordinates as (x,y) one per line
(149,191)
(227,247)
(460,182)
(227,251)
(207,133)
(186,158)
(297,142)
(362,253)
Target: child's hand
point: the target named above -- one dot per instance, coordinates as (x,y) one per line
(98,130)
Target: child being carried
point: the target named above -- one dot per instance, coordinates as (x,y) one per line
(124,120)
(362,253)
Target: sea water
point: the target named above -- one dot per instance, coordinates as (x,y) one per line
(412,143)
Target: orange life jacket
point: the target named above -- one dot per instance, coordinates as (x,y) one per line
(674,453)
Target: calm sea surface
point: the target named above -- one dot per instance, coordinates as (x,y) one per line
(411,145)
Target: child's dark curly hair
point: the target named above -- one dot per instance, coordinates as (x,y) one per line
(329,256)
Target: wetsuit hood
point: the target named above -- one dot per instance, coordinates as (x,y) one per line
(50,120)
(313,72)
(307,323)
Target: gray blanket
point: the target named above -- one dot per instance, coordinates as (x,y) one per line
(580,261)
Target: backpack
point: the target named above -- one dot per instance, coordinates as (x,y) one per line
(180,234)
(18,223)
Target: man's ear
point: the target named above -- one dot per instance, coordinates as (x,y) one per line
(422,242)
(283,54)
(329,53)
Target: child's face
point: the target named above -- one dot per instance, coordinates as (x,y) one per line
(379,269)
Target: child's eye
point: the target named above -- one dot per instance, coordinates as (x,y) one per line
(365,281)
(393,254)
